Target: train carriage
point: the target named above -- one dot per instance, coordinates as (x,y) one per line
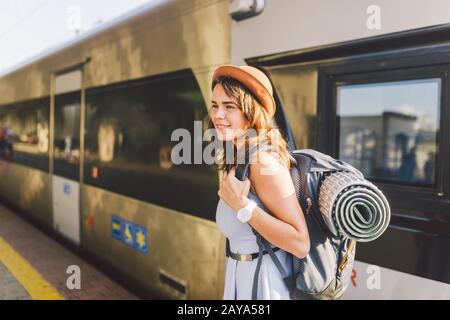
(86,131)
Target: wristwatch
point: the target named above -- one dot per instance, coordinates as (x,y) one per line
(245,213)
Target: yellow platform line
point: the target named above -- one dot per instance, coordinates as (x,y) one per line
(38,288)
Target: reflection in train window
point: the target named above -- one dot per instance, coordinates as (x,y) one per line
(389,130)
(67,133)
(128,142)
(24,133)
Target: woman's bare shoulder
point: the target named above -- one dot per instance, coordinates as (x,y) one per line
(270,178)
(267,164)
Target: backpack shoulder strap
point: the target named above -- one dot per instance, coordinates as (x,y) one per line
(227,248)
(304,165)
(258,265)
(263,244)
(242,171)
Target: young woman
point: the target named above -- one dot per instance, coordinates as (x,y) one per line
(242,100)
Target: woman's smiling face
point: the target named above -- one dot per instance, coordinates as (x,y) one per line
(226,115)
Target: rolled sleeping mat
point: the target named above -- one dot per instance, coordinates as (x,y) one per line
(353,207)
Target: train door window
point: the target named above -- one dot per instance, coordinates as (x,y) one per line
(67,133)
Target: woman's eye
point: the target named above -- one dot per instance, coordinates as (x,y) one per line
(214,106)
(230,107)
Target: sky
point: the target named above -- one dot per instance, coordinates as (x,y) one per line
(29,27)
(420,98)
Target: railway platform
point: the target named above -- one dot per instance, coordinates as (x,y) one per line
(34,266)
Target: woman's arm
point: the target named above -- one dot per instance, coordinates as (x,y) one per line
(286,228)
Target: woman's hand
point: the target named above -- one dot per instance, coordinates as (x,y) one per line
(233,191)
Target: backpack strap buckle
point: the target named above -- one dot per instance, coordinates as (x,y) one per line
(241,257)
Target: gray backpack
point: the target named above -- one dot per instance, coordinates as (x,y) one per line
(325,273)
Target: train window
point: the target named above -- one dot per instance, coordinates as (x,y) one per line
(389,129)
(24,133)
(128,142)
(390,125)
(66,137)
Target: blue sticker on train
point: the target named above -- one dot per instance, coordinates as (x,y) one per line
(128,236)
(133,235)
(116,226)
(141,238)
(66,188)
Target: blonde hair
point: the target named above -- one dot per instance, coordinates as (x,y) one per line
(267,131)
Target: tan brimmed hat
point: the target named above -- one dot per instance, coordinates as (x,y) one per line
(255,80)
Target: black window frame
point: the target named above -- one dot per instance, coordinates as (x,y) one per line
(404,197)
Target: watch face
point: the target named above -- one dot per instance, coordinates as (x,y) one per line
(244,215)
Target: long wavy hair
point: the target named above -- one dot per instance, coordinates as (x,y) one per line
(268,137)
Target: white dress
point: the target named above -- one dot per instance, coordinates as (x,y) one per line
(239,274)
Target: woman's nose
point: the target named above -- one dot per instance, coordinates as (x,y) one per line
(220,113)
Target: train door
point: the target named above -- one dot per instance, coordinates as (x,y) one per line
(65,166)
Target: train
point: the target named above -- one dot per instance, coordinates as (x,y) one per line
(85,132)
